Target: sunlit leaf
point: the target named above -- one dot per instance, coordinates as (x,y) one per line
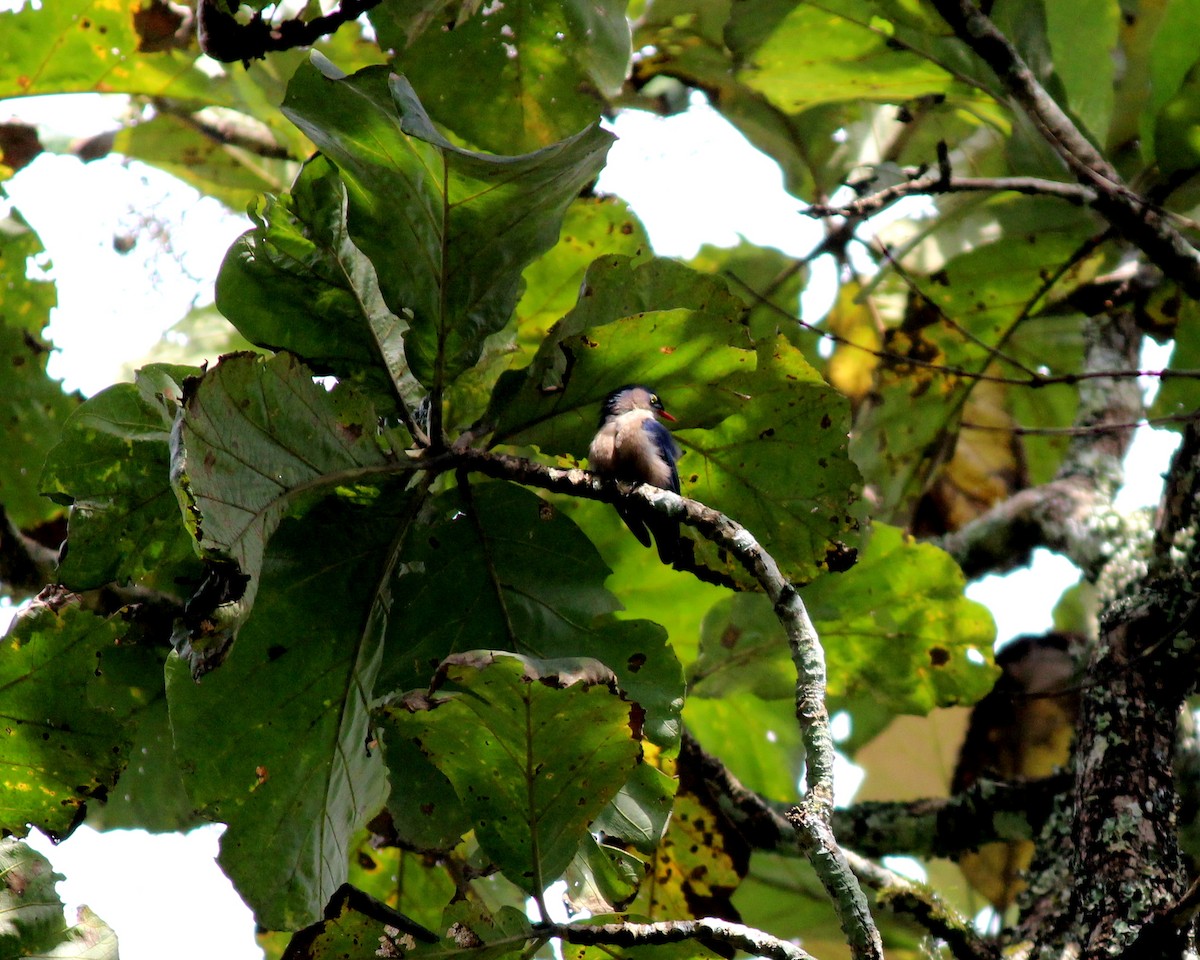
(258,440)
(61,752)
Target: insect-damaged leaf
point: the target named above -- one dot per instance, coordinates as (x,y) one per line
(534,748)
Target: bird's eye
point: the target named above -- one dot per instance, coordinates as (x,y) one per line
(654,399)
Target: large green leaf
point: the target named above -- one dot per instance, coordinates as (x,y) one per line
(60,750)
(823,53)
(258,440)
(502,569)
(297,282)
(526,73)
(1083,50)
(293,768)
(80,46)
(113,467)
(764,437)
(448,230)
(32,406)
(534,748)
(898,634)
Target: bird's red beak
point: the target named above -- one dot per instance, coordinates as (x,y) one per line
(666,416)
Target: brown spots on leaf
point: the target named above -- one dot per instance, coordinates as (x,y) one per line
(939,656)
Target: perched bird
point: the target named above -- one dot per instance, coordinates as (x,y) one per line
(632,446)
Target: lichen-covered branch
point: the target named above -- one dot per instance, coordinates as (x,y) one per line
(813,815)
(1127,861)
(915,900)
(753,942)
(1073,513)
(986,811)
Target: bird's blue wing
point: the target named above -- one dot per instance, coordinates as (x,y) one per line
(667,449)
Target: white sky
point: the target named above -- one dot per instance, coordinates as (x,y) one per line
(691,179)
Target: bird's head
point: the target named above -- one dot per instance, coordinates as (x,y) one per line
(632,397)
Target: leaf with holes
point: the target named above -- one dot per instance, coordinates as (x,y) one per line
(534,748)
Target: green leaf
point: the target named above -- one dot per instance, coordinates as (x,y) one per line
(639,812)
(297,282)
(1179,396)
(758,740)
(448,230)
(33,409)
(502,569)
(1083,51)
(112,466)
(258,440)
(426,812)
(60,751)
(601,878)
(417,885)
(86,46)
(526,73)
(294,769)
(31,913)
(897,631)
(534,748)
(764,437)
(837,51)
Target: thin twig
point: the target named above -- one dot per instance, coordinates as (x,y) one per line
(933,183)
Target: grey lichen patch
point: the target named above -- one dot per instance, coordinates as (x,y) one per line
(1127,539)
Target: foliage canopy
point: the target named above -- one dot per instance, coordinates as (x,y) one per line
(347,590)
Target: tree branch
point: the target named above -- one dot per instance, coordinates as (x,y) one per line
(1073,513)
(986,811)
(935,182)
(223,38)
(814,813)
(1130,215)
(916,900)
(753,942)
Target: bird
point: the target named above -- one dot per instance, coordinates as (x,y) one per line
(632,446)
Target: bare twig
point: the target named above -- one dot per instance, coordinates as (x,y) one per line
(934,182)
